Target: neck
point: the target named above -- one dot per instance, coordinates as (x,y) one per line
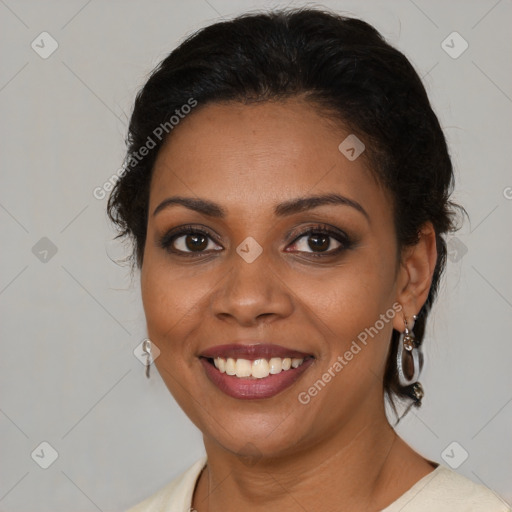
(348,470)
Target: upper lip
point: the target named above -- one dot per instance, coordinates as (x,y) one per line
(252,351)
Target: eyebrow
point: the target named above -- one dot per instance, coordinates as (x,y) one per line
(284,209)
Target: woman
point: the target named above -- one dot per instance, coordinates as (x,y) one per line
(287,191)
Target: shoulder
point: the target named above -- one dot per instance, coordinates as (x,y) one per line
(176,495)
(445,490)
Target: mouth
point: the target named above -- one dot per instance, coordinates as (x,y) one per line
(254,371)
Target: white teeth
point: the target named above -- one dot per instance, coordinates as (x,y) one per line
(243,368)
(259,368)
(275,365)
(220,364)
(230,366)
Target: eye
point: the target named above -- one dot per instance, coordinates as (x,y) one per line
(321,241)
(193,242)
(316,242)
(188,240)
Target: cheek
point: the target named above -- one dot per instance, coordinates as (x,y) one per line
(176,302)
(167,292)
(169,302)
(351,295)
(346,308)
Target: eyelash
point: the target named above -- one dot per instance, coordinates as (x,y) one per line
(165,242)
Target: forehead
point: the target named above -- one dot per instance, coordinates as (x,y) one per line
(256,155)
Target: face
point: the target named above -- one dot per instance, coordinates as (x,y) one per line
(245,271)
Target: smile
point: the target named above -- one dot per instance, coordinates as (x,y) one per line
(257,369)
(254,371)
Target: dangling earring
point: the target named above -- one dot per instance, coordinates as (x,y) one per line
(409,348)
(146,348)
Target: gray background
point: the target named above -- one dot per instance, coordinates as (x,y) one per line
(71,320)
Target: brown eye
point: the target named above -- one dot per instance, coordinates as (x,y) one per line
(188,241)
(193,242)
(196,242)
(317,243)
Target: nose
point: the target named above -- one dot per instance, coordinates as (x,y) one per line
(252,293)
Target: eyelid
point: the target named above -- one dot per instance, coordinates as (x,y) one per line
(319,227)
(167,240)
(332,232)
(169,237)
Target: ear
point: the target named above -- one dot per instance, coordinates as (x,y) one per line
(414,278)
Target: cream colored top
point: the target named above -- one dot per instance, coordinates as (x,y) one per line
(442,490)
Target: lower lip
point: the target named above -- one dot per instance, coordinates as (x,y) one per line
(252,389)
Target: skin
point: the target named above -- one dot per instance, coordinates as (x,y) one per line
(338,452)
